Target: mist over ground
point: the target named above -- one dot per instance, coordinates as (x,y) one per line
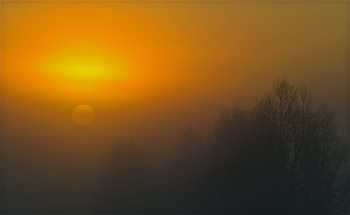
(160,101)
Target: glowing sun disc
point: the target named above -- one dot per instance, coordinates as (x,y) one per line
(83,114)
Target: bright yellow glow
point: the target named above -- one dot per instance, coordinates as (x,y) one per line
(83,114)
(83,67)
(87,51)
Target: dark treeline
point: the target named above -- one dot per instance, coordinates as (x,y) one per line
(281,156)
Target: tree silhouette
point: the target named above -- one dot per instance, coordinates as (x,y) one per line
(284,152)
(191,154)
(282,156)
(125,181)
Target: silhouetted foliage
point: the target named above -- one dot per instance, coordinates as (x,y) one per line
(125,180)
(282,156)
(191,155)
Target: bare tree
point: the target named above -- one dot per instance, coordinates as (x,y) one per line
(281,156)
(191,152)
(291,145)
(126,180)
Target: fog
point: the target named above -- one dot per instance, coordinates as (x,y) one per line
(186,61)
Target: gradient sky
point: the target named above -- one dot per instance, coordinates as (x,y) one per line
(149,69)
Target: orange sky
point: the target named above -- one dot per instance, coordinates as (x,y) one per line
(150,69)
(130,51)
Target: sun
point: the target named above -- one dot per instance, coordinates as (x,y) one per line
(83,66)
(83,114)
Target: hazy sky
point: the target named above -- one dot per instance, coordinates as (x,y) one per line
(149,69)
